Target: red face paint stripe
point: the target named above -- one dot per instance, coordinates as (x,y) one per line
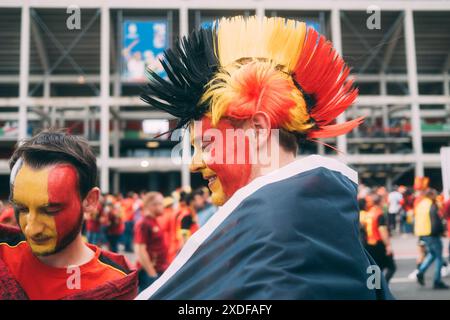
(63,189)
(233,176)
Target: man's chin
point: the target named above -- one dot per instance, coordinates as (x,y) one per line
(42,252)
(218,199)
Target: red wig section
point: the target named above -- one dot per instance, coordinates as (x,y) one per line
(258,86)
(321,72)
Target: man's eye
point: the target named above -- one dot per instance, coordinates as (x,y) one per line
(206,145)
(21,209)
(51,211)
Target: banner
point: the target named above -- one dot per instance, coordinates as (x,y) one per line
(143,44)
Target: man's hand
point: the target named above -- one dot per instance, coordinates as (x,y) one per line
(144,260)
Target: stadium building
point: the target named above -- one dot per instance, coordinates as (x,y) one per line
(81,65)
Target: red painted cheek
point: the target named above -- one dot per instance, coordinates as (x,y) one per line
(63,189)
(235,174)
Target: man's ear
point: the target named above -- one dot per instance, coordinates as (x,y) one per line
(260,122)
(90,202)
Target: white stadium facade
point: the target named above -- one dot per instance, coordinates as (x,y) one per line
(55,73)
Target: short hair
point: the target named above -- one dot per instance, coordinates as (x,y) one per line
(150,197)
(198,192)
(431,193)
(51,147)
(377,200)
(362,204)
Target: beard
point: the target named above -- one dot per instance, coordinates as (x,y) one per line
(66,240)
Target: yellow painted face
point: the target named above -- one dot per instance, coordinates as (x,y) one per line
(31,199)
(198,164)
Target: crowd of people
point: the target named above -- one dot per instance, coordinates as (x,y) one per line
(154,227)
(418,210)
(146,223)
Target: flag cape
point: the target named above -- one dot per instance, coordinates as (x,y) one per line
(291,234)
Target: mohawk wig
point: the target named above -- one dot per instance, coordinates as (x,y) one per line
(245,65)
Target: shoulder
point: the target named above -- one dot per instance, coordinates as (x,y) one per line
(113,278)
(12,253)
(315,200)
(141,224)
(10,236)
(112,262)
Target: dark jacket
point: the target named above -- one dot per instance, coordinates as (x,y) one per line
(296,238)
(437,227)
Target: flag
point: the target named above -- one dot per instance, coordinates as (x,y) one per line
(290,234)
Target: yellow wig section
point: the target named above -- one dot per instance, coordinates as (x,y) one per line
(258,86)
(257,56)
(275,39)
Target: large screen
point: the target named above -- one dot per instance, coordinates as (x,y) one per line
(143,43)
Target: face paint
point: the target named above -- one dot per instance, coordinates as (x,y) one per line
(48,206)
(63,189)
(212,156)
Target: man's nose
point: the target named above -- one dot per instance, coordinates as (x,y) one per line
(34,225)
(197,162)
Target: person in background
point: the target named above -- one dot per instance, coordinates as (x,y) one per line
(7,215)
(128,218)
(93,231)
(378,241)
(407,216)
(188,220)
(394,207)
(149,245)
(114,223)
(207,209)
(446,216)
(429,227)
(166,222)
(362,204)
(421,247)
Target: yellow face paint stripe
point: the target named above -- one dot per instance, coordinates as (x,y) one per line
(31,189)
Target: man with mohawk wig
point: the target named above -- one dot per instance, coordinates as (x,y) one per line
(287,228)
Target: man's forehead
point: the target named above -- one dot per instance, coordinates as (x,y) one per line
(58,171)
(201,128)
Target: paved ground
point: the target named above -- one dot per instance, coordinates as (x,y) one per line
(405,252)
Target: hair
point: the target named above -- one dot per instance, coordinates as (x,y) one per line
(150,197)
(376,199)
(198,192)
(50,147)
(244,65)
(362,204)
(431,194)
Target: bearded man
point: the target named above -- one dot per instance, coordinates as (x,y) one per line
(53,183)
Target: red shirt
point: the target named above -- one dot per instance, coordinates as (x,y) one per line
(93,222)
(373,220)
(147,231)
(128,210)
(446,215)
(44,282)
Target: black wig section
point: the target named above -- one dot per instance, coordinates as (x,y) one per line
(189,67)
